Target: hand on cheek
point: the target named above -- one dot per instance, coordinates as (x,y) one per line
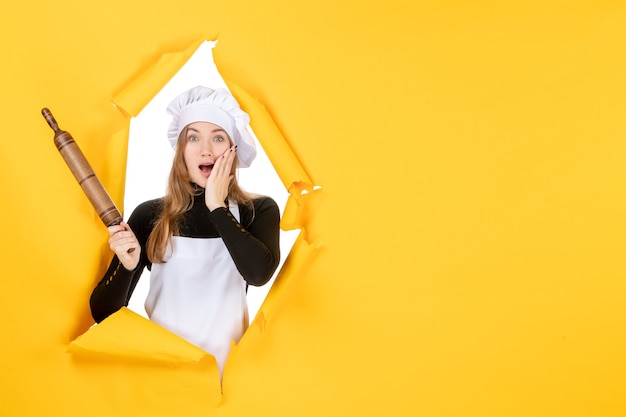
(219,180)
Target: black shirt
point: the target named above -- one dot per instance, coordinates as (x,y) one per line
(253,244)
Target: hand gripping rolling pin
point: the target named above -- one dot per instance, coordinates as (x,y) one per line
(84,174)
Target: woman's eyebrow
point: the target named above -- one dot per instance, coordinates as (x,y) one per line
(219,129)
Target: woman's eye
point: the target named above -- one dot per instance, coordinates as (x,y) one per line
(193,138)
(219,139)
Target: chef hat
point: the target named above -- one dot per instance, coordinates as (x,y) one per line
(203,104)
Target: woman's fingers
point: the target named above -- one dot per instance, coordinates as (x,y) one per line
(219,180)
(120,233)
(125,245)
(116,229)
(122,238)
(224,163)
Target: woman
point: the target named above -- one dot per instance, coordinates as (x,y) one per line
(206,239)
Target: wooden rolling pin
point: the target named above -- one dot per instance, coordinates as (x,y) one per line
(84,174)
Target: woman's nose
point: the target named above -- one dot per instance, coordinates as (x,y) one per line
(206,150)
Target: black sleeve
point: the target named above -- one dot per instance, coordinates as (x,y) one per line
(114,290)
(255,249)
(116,287)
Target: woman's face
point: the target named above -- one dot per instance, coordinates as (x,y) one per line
(204,143)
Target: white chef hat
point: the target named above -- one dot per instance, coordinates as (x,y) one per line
(203,104)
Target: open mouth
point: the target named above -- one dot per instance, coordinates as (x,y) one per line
(206,169)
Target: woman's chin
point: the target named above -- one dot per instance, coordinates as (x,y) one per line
(200,183)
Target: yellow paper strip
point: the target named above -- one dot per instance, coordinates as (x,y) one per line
(138,93)
(126,334)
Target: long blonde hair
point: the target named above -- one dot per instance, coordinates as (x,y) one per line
(178,199)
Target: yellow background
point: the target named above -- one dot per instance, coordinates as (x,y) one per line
(463,256)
